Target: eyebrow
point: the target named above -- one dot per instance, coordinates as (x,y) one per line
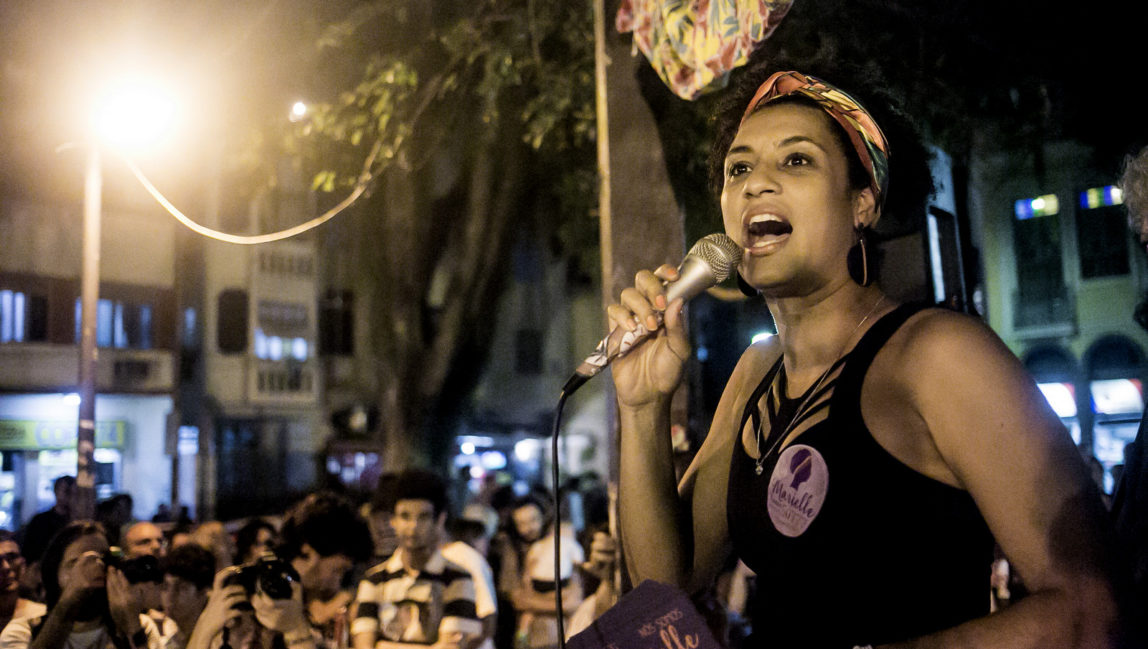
(793,139)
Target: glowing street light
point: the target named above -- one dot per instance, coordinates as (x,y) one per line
(131,114)
(298,111)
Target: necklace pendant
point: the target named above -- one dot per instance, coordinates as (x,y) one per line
(758,469)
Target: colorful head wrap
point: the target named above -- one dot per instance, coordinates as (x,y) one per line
(863,132)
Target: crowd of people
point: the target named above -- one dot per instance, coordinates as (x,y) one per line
(864,469)
(407,567)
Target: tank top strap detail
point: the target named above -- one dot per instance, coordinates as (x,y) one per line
(751,411)
(847,397)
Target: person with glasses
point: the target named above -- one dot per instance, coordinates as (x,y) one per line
(90,604)
(12,606)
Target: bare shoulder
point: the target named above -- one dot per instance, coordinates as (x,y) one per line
(937,346)
(941,331)
(755,361)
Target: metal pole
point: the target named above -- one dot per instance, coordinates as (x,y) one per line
(84,506)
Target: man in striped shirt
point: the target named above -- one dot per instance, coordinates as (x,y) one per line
(416,598)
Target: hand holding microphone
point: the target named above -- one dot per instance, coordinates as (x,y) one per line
(656,296)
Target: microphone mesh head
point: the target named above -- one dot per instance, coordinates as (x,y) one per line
(720,252)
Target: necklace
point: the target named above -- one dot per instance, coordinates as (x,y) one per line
(805,402)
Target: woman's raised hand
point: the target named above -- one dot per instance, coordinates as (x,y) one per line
(653,369)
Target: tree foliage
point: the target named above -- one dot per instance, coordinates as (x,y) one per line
(469,121)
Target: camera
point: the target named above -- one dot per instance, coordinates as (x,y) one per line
(273,575)
(137,569)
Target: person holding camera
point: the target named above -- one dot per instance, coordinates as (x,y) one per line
(241,613)
(296,591)
(142,552)
(90,604)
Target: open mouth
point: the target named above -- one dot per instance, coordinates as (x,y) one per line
(766,229)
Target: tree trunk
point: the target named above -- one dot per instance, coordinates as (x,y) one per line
(421,338)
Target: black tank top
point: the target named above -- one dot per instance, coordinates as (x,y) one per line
(850,546)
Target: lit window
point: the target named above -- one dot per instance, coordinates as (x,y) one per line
(299,349)
(1095,197)
(274,348)
(1061,397)
(104,321)
(260,344)
(119,324)
(1028,208)
(1117,396)
(11,316)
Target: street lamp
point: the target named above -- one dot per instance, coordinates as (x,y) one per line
(130,114)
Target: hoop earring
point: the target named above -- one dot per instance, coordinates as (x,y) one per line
(745,287)
(857,261)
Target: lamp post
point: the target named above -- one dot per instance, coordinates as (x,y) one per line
(131,114)
(85,498)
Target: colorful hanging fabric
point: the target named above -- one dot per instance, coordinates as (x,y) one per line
(694,44)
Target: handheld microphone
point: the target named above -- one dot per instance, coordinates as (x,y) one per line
(708,263)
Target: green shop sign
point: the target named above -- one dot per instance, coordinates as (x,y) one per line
(48,435)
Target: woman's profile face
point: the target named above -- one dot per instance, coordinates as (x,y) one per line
(786,200)
(83,563)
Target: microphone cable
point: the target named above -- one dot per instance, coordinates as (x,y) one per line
(559,614)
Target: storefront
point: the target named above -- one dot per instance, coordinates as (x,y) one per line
(1115,367)
(1057,374)
(38,444)
(1100,400)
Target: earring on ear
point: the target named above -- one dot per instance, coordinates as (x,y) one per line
(857,260)
(745,287)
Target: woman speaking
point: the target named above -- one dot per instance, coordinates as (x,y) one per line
(867,439)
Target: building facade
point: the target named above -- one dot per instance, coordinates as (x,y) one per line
(1062,279)
(39,353)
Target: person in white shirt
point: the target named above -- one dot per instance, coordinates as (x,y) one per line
(465,550)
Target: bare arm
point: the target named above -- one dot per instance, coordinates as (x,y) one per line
(674,534)
(54,633)
(528,600)
(652,522)
(996,434)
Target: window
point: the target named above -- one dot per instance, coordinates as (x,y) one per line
(1041,294)
(281,331)
(122,325)
(190,331)
(337,323)
(232,334)
(1102,236)
(23,317)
